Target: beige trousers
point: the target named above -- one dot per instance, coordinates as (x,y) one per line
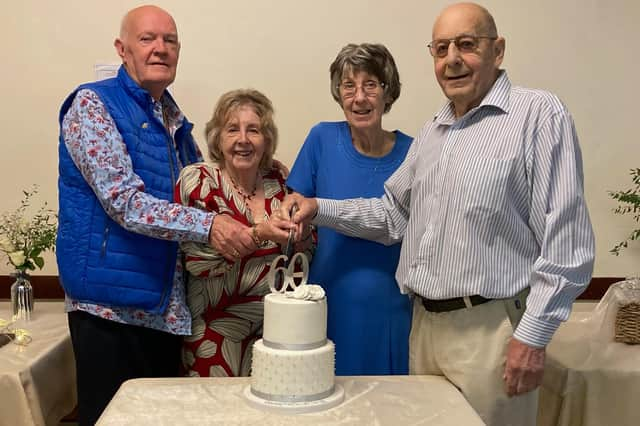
(468,347)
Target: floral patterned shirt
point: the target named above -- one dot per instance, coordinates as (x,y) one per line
(96,147)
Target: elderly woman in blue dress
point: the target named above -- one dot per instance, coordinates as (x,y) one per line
(368,319)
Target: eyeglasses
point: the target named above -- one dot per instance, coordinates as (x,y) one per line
(465,44)
(369,87)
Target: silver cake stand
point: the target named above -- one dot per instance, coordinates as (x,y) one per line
(295,407)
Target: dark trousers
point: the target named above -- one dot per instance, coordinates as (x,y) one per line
(109,353)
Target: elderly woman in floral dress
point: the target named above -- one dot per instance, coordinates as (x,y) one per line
(242,181)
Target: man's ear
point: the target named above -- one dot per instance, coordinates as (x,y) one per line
(119,48)
(498,50)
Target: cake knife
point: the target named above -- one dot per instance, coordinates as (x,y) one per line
(288,251)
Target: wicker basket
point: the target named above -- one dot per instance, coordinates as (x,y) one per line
(628,323)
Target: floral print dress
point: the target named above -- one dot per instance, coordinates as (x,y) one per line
(225,298)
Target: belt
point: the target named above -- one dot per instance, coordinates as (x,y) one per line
(446,305)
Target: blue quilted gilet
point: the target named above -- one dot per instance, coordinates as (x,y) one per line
(98,260)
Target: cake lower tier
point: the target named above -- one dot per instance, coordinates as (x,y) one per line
(285,375)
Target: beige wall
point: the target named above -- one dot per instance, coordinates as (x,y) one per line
(583,50)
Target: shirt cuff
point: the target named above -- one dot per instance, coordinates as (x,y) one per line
(204,221)
(534,331)
(328,212)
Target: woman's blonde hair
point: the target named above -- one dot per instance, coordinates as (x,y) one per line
(227,105)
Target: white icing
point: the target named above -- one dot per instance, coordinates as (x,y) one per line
(306,292)
(294,374)
(290,321)
(294,362)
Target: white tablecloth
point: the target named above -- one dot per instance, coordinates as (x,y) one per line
(379,400)
(590,380)
(37,381)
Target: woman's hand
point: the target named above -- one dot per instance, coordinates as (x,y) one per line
(273,230)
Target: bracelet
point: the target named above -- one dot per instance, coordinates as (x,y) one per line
(254,236)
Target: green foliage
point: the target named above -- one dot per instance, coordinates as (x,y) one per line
(629,204)
(23,240)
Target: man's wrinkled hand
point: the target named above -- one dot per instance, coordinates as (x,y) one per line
(230,237)
(524,368)
(307,209)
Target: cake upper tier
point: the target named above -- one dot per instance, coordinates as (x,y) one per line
(294,324)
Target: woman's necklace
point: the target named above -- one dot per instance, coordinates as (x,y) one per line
(246,197)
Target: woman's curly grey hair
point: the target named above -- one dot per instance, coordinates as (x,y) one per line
(374,59)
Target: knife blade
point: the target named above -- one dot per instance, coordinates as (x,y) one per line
(289,248)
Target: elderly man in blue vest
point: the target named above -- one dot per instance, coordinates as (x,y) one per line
(122,144)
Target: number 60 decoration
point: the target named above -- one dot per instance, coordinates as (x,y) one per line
(286,275)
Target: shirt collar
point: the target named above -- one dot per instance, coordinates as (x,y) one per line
(174,115)
(498,97)
(168,113)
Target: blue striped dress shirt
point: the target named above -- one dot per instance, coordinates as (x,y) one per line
(490,203)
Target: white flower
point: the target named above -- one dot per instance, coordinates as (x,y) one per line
(17,258)
(5,244)
(307,292)
(316,292)
(32,234)
(24,225)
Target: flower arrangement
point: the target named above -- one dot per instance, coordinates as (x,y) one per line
(24,240)
(629,203)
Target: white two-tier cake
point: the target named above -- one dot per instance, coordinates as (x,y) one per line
(293,364)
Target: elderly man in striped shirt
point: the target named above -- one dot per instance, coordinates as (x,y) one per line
(489,204)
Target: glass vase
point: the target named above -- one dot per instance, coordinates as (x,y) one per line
(21,297)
